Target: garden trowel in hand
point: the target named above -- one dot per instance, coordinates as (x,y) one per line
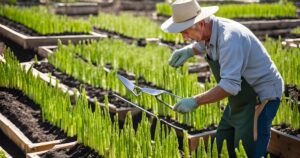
(136,90)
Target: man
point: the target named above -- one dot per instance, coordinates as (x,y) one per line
(242,67)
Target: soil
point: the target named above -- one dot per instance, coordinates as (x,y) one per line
(288,130)
(26,115)
(78,150)
(190,129)
(292,91)
(70,81)
(28,31)
(21,54)
(10,147)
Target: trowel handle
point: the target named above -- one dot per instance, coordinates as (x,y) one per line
(168,105)
(176,96)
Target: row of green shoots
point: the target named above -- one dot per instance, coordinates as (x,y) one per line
(286,59)
(95,128)
(149,63)
(43,22)
(133,26)
(251,10)
(296,30)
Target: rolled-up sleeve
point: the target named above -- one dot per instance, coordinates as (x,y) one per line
(233,58)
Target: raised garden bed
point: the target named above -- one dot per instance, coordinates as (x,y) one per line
(21,121)
(193,135)
(284,145)
(71,85)
(23,36)
(137,5)
(77,8)
(201,67)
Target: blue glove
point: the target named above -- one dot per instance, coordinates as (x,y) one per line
(186,105)
(180,56)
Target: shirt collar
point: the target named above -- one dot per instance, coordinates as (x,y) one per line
(213,37)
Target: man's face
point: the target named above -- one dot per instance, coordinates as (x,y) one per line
(195,32)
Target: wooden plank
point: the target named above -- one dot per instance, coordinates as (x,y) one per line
(77,8)
(194,138)
(33,42)
(284,145)
(35,147)
(56,147)
(291,42)
(13,133)
(271,24)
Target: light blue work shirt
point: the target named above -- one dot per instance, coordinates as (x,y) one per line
(241,54)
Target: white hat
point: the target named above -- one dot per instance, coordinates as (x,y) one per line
(185,13)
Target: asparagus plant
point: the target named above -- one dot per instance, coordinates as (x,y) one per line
(286,60)
(92,128)
(288,113)
(2,153)
(112,51)
(271,10)
(43,22)
(132,26)
(296,30)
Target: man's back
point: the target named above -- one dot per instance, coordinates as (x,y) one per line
(240,53)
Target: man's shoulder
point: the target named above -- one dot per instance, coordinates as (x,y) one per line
(229,29)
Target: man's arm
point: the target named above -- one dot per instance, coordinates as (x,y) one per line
(213,95)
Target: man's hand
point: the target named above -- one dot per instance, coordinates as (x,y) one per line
(185,105)
(179,56)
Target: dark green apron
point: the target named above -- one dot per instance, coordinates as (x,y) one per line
(237,121)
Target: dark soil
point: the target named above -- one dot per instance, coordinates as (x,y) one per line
(78,150)
(70,81)
(190,129)
(26,115)
(21,54)
(28,31)
(288,130)
(10,147)
(292,91)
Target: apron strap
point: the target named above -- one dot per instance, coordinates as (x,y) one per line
(258,110)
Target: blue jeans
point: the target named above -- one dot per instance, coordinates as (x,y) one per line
(264,127)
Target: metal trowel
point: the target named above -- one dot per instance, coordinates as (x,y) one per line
(136,90)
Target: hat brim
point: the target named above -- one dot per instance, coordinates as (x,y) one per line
(173,27)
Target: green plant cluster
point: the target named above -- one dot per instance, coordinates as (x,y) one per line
(43,22)
(132,26)
(94,128)
(296,30)
(268,10)
(2,153)
(146,62)
(288,113)
(286,59)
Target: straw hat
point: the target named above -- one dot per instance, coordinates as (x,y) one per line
(185,14)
